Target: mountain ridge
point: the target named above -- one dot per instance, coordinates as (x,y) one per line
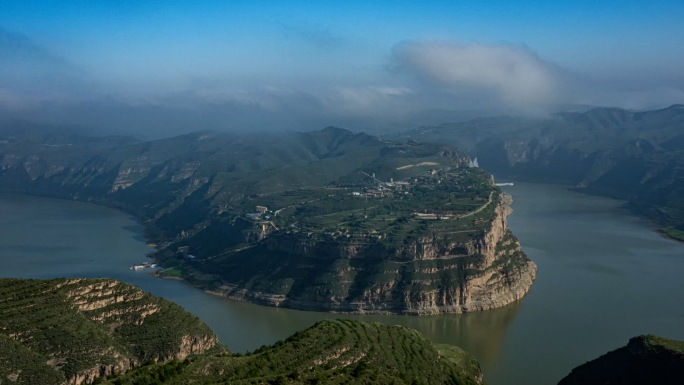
(645,359)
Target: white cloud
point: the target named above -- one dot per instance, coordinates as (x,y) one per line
(338,86)
(507,74)
(514,76)
(365,100)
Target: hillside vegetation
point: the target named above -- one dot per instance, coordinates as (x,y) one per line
(330,352)
(95,330)
(77,330)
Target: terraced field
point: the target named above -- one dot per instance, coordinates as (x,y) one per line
(332,352)
(82,331)
(79,329)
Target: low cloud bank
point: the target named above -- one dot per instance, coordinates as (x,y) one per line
(423,82)
(504,75)
(514,77)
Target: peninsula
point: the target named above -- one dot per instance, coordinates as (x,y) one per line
(327,220)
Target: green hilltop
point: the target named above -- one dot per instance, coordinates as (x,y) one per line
(330,352)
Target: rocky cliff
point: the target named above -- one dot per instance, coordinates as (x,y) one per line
(75,331)
(429,275)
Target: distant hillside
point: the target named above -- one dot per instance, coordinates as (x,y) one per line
(78,330)
(635,156)
(325,220)
(645,360)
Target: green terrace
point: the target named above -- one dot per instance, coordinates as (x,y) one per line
(454,203)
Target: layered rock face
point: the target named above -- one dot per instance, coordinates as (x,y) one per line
(426,276)
(76,331)
(493,272)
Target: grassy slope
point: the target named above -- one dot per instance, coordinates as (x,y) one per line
(56,329)
(330,352)
(52,330)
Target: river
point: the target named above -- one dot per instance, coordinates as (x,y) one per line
(604,276)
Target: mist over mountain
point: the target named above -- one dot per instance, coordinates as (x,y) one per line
(159,70)
(635,156)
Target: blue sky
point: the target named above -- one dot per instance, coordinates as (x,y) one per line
(343,60)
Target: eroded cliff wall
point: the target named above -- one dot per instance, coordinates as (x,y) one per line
(76,331)
(426,276)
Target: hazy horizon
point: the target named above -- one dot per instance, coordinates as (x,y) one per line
(181,66)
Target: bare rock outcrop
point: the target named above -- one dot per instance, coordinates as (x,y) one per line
(81,330)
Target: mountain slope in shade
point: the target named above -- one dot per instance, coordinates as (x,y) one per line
(81,331)
(645,360)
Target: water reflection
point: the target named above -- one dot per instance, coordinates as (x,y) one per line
(481,333)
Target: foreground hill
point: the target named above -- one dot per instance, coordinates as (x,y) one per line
(326,220)
(77,330)
(635,156)
(330,352)
(80,331)
(645,360)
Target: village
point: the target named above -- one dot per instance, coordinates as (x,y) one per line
(452,203)
(373,208)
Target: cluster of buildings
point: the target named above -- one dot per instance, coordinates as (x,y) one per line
(384,189)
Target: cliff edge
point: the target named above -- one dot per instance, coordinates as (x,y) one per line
(431,274)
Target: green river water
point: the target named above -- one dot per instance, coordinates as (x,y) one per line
(604,276)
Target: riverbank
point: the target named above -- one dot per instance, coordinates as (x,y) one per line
(676,235)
